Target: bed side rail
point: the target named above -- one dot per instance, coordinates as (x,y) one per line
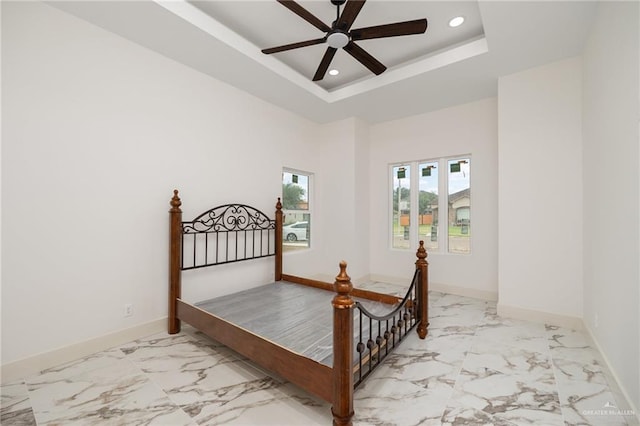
(225,234)
(377,335)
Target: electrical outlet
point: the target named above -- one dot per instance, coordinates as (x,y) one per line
(128,310)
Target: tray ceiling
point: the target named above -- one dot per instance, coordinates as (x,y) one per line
(444,66)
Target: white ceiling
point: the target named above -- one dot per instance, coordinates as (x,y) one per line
(429,71)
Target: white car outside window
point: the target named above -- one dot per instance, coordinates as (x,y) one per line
(296,231)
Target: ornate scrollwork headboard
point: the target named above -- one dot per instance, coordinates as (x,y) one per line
(229,218)
(225,234)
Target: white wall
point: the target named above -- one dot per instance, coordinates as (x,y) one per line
(612,189)
(362,237)
(97,132)
(464,129)
(540,189)
(333,204)
(342,198)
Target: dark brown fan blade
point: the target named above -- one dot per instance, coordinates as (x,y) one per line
(305,14)
(364,58)
(349,14)
(324,64)
(293,46)
(418,26)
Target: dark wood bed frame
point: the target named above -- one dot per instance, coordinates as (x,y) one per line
(334,385)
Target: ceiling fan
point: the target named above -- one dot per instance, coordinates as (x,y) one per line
(340,35)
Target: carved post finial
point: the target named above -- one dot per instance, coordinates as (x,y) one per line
(421,253)
(343,285)
(175,202)
(278,204)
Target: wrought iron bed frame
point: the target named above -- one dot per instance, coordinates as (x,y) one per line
(239,224)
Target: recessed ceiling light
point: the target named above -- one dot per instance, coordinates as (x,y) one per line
(334,72)
(456,22)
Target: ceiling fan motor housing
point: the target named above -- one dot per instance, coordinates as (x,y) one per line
(338,2)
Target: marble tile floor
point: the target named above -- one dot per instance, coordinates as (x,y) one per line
(474,368)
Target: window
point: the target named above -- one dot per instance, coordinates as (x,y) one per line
(459,206)
(419,213)
(428,205)
(401,205)
(296,229)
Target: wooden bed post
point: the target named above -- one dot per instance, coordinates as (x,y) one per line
(343,304)
(278,274)
(423,290)
(175,235)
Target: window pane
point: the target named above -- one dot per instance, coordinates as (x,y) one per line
(428,209)
(459,202)
(401,206)
(295,231)
(295,191)
(295,205)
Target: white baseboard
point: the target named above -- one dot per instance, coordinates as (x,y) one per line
(516,312)
(623,401)
(406,281)
(439,287)
(463,291)
(34,364)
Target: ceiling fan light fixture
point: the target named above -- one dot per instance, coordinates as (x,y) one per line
(456,22)
(338,39)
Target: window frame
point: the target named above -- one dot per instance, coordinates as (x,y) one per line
(442,228)
(392,220)
(308,211)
